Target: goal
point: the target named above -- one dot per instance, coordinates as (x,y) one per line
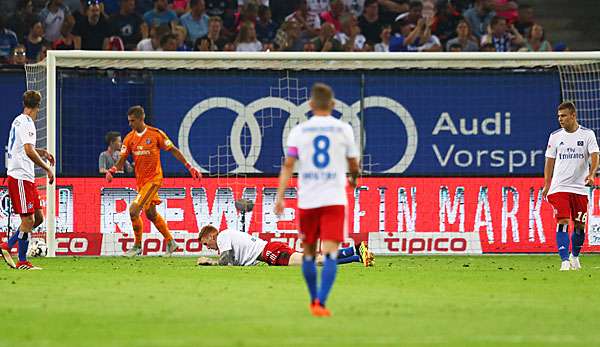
(452,144)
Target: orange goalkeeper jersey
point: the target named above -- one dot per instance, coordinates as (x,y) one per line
(145,150)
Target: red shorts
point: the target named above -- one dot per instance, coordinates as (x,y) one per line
(23,196)
(277,253)
(326,223)
(569,205)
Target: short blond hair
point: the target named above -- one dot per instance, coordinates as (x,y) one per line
(322,96)
(32,99)
(567,105)
(205,231)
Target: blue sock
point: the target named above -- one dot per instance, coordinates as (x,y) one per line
(23,245)
(309,270)
(346,252)
(350,259)
(327,276)
(13,239)
(577,238)
(562,241)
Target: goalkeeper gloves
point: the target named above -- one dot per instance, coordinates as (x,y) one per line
(193,171)
(110,173)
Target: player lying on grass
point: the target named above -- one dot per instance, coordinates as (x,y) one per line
(21,157)
(144,144)
(241,249)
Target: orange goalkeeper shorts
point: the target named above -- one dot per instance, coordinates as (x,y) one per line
(148,195)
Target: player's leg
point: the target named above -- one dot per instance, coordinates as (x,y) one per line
(161,225)
(579,204)
(331,224)
(562,212)
(138,227)
(309,232)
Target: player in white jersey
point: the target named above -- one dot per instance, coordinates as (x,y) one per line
(325,149)
(242,249)
(571,164)
(22,156)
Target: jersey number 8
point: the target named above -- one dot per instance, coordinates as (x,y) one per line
(321,156)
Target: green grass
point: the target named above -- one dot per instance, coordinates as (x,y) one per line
(403,301)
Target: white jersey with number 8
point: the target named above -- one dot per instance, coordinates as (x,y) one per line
(322,146)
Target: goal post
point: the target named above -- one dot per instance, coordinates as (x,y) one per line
(578,74)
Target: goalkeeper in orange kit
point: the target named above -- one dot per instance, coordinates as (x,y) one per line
(144,144)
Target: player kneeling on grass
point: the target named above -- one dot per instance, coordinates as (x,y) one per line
(571,164)
(144,143)
(22,156)
(241,249)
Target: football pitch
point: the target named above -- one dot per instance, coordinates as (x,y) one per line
(403,301)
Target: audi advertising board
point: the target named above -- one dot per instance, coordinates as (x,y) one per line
(418,123)
(396,215)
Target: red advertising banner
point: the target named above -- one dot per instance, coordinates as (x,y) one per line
(395,215)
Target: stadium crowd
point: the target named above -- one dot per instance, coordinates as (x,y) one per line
(35,26)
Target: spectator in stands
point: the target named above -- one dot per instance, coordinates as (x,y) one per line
(247,41)
(34,42)
(561,47)
(390,9)
(241,3)
(67,40)
(480,16)
(316,7)
(226,9)
(415,12)
(280,9)
(19,55)
(426,41)
(214,40)
(53,16)
(325,41)
(202,44)
(128,25)
(22,19)
(108,158)
(181,6)
(181,34)
(525,19)
(94,31)
(143,6)
(247,13)
(454,47)
(229,47)
(404,34)
(384,44)
(153,42)
(487,47)
(536,40)
(350,37)
(309,47)
(168,42)
(355,7)
(309,22)
(499,36)
(8,42)
(80,14)
(195,21)
(288,37)
(369,23)
(463,38)
(266,29)
(507,9)
(335,14)
(160,14)
(111,7)
(445,21)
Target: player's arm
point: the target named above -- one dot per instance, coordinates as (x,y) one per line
(548,173)
(354,169)
(120,163)
(44,154)
(35,157)
(225,259)
(284,176)
(196,174)
(589,180)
